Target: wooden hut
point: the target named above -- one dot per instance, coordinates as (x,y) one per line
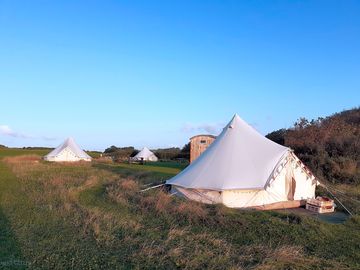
(199,144)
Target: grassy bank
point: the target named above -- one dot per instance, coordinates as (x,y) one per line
(92,216)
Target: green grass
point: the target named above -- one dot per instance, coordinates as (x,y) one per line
(93,154)
(149,168)
(168,164)
(145,174)
(11,152)
(92,216)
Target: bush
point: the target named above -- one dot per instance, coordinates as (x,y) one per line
(329,146)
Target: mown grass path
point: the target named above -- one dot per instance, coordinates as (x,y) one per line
(146,174)
(150,168)
(10,251)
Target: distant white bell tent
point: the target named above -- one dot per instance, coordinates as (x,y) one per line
(145,155)
(242,168)
(68,151)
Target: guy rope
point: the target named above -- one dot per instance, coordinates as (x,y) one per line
(332,194)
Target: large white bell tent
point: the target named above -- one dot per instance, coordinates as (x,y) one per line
(67,151)
(242,168)
(146,155)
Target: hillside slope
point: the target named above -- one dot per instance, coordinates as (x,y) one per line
(329,146)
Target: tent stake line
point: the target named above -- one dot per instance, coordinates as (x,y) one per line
(347,210)
(146,189)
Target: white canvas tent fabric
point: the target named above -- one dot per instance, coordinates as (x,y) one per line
(67,151)
(146,155)
(242,168)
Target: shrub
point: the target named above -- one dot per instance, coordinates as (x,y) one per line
(329,146)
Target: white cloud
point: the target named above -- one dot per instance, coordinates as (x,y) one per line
(7,131)
(212,128)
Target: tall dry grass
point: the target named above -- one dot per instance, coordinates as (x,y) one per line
(23,164)
(180,210)
(289,257)
(154,229)
(58,186)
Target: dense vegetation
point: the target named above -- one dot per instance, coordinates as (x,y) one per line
(329,146)
(120,154)
(173,153)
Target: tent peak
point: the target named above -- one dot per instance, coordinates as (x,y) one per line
(70,139)
(237,121)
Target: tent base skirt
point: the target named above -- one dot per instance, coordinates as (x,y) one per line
(281,205)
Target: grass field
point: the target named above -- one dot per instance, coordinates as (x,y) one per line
(10,152)
(92,216)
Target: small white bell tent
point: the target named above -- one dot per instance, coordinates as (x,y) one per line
(67,151)
(242,168)
(146,155)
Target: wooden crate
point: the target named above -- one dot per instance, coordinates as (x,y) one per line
(321,202)
(319,209)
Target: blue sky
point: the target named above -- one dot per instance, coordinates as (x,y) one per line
(155,73)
